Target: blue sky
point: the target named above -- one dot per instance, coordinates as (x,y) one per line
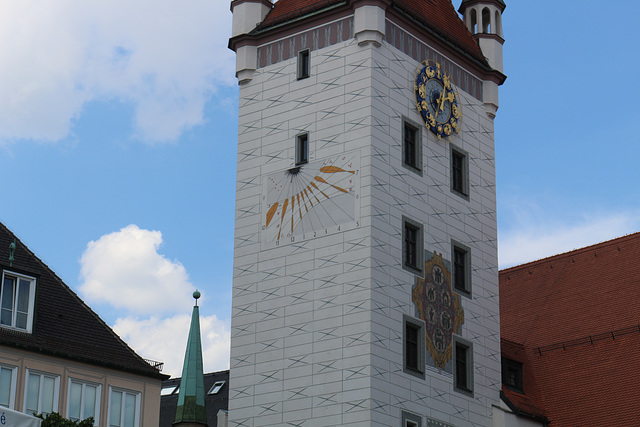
(117,149)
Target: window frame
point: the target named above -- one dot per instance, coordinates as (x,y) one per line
(410,419)
(458,345)
(56,391)
(12,385)
(304,64)
(465,251)
(420,325)
(509,364)
(302,149)
(407,263)
(15,300)
(98,399)
(415,164)
(216,387)
(124,392)
(459,173)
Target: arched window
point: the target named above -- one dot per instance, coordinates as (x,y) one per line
(498,23)
(486,20)
(473,27)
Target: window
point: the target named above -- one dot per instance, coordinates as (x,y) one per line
(41,394)
(304,67)
(512,374)
(8,385)
(302,149)
(414,346)
(124,408)
(216,387)
(411,147)
(461,268)
(411,420)
(412,245)
(463,367)
(83,401)
(167,390)
(16,301)
(459,172)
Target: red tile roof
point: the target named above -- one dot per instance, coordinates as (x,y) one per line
(438,15)
(576,318)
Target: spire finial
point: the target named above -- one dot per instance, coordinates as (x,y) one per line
(196,295)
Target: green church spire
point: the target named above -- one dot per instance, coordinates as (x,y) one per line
(191,408)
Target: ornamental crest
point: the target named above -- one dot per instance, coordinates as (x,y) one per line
(440,308)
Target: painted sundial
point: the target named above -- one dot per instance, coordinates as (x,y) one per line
(440,308)
(311,200)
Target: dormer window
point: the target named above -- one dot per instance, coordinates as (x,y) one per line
(512,374)
(16,301)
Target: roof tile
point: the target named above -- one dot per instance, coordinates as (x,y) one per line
(564,311)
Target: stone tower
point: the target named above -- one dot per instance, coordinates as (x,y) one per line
(365,287)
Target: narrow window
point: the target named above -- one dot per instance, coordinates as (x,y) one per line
(411,148)
(412,245)
(414,346)
(512,374)
(302,149)
(411,420)
(83,400)
(459,173)
(463,369)
(304,67)
(461,269)
(7,386)
(42,393)
(16,301)
(411,337)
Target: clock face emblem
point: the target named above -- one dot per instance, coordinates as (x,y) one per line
(437,101)
(311,200)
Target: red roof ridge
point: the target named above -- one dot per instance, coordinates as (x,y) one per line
(573,252)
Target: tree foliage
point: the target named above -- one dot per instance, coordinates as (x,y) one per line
(55,420)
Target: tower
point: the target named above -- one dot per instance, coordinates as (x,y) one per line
(191,411)
(365,285)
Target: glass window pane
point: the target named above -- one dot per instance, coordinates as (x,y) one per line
(23,296)
(7,302)
(48,391)
(90,393)
(7,293)
(5,386)
(75,398)
(33,391)
(116,409)
(130,411)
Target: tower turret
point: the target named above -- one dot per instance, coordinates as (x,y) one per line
(246,15)
(484,20)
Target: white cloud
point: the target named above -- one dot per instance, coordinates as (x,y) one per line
(164,57)
(165,340)
(541,238)
(124,269)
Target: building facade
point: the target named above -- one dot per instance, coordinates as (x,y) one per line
(56,355)
(365,272)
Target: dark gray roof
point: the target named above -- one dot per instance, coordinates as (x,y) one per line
(63,325)
(213,402)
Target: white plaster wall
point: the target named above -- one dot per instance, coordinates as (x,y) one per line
(317,324)
(445,216)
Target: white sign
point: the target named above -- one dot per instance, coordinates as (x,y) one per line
(11,418)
